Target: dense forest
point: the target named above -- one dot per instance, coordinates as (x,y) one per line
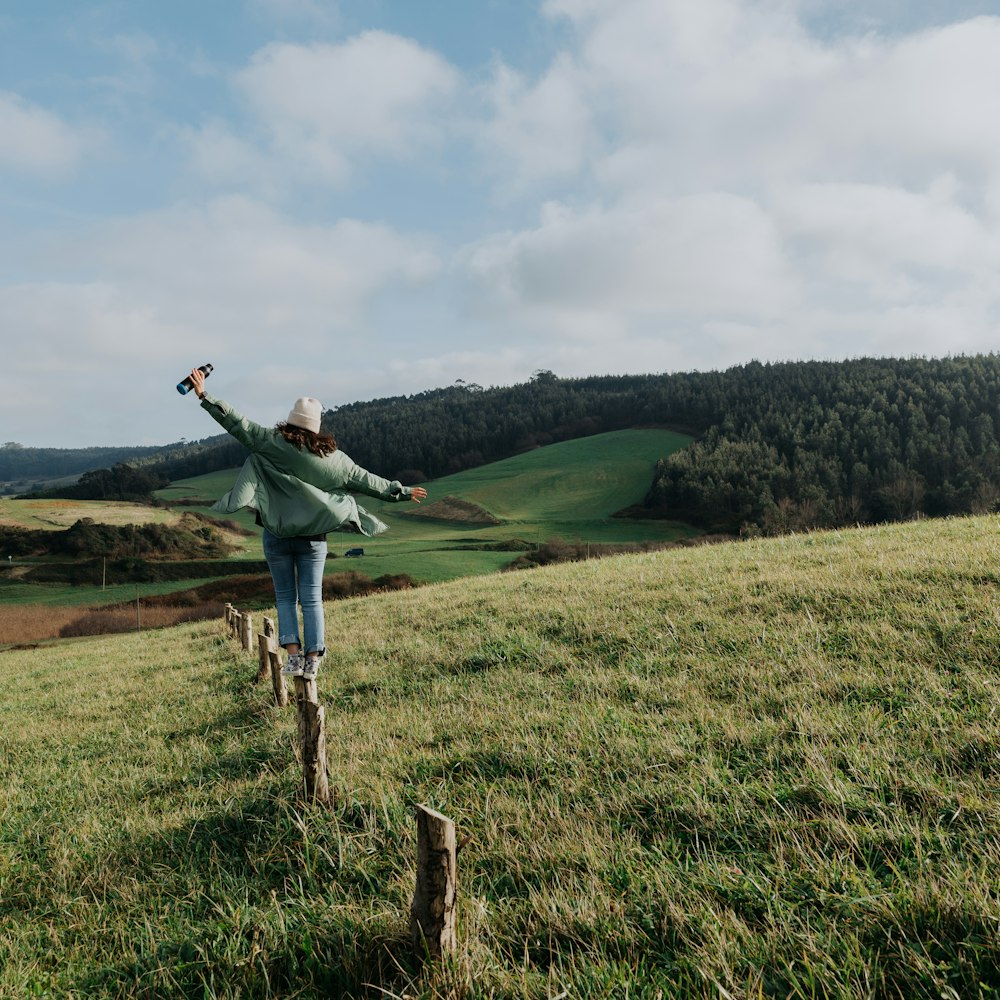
(120,482)
(779,447)
(20,463)
(818,444)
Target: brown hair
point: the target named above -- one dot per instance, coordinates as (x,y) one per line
(319,444)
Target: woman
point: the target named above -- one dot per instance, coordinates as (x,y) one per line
(300,485)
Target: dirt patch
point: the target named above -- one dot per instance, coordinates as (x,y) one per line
(455,509)
(36,622)
(24,623)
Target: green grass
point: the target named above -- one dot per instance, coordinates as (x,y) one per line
(766,768)
(82,595)
(586,479)
(57,515)
(567,490)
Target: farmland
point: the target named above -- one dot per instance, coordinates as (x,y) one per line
(568,490)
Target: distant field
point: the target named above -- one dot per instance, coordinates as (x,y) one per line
(567,490)
(57,515)
(580,481)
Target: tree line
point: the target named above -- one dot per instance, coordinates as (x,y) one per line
(779,447)
(824,444)
(120,482)
(18,462)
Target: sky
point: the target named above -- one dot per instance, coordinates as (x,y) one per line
(353,199)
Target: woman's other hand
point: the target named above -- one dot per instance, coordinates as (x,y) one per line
(198,382)
(417,493)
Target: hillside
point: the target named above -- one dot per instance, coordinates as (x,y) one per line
(21,467)
(570,489)
(767,768)
(565,490)
(780,447)
(575,481)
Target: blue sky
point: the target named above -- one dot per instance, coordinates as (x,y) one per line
(370,197)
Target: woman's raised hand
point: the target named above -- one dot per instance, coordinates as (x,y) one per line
(198,381)
(417,493)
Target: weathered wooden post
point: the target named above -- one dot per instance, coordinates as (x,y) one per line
(306,690)
(265,644)
(246,632)
(263,657)
(278,679)
(228,613)
(432,912)
(236,624)
(312,739)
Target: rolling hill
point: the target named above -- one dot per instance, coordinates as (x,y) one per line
(570,489)
(767,768)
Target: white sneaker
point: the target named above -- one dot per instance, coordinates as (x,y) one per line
(293,665)
(309,671)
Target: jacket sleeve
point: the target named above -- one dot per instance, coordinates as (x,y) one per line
(362,481)
(243,429)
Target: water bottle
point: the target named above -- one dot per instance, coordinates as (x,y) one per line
(187,385)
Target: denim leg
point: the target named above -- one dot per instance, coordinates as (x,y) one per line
(281,562)
(309,565)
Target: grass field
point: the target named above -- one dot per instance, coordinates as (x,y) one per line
(57,515)
(567,490)
(761,769)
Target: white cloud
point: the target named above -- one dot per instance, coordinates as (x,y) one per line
(33,139)
(755,190)
(222,158)
(323,106)
(895,243)
(537,131)
(237,268)
(232,282)
(727,92)
(718,255)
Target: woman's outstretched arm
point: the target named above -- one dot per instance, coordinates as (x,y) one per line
(243,429)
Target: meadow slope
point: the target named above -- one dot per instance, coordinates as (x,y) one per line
(765,768)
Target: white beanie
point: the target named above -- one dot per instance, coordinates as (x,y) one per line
(306,413)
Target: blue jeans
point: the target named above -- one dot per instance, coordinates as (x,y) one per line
(296,566)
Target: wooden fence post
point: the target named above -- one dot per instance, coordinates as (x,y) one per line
(228,613)
(236,624)
(246,632)
(432,913)
(278,679)
(306,691)
(312,739)
(264,657)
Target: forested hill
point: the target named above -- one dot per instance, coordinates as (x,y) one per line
(19,463)
(780,446)
(824,444)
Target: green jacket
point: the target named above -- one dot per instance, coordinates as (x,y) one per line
(296,492)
